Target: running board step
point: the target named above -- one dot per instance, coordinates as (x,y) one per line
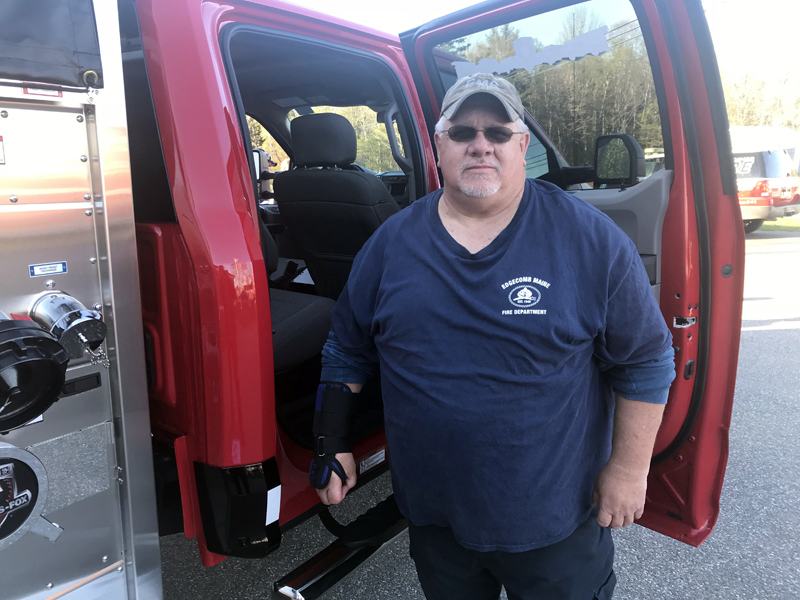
(374,528)
(356,543)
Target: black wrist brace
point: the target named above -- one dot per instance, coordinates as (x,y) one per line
(333,418)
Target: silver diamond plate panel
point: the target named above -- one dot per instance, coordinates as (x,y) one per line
(77,465)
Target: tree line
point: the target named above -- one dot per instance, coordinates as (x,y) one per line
(751,103)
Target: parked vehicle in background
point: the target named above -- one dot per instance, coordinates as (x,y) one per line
(654,160)
(765,160)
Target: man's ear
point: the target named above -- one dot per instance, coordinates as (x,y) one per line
(524,141)
(436,142)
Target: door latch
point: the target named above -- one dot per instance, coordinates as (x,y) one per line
(682,322)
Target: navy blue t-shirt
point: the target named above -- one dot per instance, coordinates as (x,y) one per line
(497,414)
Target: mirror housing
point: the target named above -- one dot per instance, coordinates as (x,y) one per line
(618,161)
(262,163)
(257,163)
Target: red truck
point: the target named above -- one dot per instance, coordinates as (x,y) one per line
(232,335)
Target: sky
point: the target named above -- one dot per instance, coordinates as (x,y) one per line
(758,37)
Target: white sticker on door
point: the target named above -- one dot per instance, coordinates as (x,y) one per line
(372,461)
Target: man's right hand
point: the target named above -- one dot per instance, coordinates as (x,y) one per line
(336,489)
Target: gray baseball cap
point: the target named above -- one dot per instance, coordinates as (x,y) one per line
(483,83)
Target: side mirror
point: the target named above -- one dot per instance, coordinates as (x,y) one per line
(618,161)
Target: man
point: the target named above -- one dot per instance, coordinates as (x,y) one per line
(503,312)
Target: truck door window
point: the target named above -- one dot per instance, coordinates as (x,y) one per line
(581,71)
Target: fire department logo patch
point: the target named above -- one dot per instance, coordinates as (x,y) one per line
(18,489)
(524,296)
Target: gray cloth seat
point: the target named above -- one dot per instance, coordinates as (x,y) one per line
(329,206)
(300,322)
(300,325)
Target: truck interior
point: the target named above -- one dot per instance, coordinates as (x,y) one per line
(319,212)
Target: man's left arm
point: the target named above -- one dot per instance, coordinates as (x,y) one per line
(635,353)
(619,491)
(641,392)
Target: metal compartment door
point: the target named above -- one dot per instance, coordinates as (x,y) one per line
(80,477)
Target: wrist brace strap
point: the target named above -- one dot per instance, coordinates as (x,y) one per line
(322,467)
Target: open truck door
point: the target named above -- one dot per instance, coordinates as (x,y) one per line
(645,68)
(233,337)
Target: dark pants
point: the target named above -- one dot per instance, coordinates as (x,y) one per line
(576,568)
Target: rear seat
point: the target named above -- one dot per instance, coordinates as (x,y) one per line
(300,322)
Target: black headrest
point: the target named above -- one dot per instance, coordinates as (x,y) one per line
(323,140)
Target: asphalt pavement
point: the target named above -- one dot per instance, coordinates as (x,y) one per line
(754,552)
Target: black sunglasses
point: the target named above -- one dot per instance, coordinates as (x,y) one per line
(495,135)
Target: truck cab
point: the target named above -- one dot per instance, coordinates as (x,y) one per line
(284,67)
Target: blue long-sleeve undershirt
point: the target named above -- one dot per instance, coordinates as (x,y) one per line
(646,382)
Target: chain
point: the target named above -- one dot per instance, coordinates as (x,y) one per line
(96,357)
